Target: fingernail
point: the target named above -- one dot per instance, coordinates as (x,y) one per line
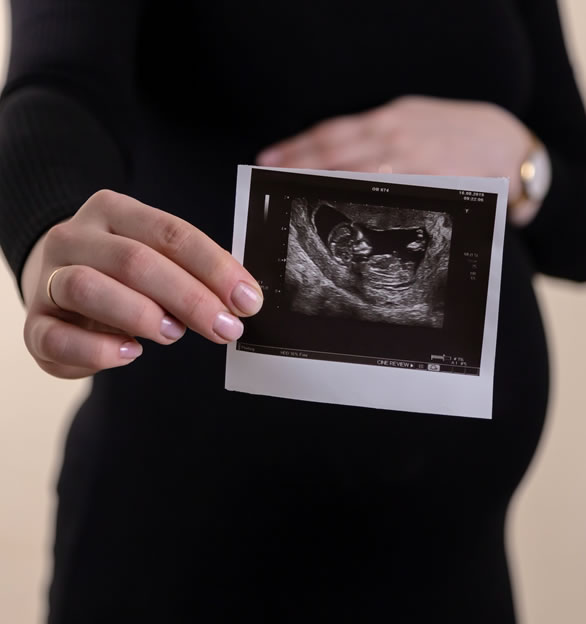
(269,158)
(130,350)
(228,327)
(172,328)
(246,298)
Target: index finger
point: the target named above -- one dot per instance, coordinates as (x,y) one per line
(184,244)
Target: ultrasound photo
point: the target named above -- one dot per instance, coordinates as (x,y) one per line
(367,262)
(381,290)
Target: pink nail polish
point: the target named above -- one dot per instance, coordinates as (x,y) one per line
(227,326)
(130,350)
(246,298)
(171,328)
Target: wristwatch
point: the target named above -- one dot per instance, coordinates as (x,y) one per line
(535,174)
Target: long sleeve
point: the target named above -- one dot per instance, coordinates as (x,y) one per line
(65,113)
(556,236)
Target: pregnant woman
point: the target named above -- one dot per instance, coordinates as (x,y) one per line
(121,125)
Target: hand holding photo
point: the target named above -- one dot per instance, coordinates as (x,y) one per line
(373,284)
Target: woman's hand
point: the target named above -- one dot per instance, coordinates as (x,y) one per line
(415,135)
(125,269)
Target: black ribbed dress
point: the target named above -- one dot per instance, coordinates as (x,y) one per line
(181,502)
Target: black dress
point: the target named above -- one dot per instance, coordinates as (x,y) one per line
(181,502)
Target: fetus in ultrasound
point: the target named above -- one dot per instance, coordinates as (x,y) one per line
(374,263)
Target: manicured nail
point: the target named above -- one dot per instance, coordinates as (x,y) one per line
(130,350)
(172,328)
(246,298)
(228,327)
(269,158)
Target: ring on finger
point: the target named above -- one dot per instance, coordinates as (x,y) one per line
(49,283)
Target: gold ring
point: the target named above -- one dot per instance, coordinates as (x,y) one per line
(49,282)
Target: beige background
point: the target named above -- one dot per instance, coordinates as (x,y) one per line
(547,527)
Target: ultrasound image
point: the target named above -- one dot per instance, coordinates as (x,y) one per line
(372,263)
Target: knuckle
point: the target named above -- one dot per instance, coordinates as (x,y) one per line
(173,235)
(223,265)
(328,154)
(142,320)
(404,101)
(52,343)
(100,201)
(322,134)
(378,119)
(194,304)
(326,137)
(104,197)
(373,124)
(78,286)
(134,263)
(345,124)
(337,125)
(60,236)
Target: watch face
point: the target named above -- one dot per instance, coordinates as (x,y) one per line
(536,174)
